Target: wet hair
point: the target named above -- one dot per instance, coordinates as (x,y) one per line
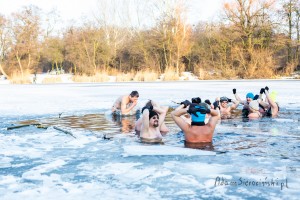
(134,94)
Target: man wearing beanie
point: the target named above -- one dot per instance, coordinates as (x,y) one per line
(151,123)
(197,131)
(162,112)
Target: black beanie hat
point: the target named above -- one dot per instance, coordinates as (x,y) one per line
(152,113)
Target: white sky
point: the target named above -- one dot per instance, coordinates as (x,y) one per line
(200,10)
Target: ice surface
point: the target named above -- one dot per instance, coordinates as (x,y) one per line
(40,163)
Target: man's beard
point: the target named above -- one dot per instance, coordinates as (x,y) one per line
(155,124)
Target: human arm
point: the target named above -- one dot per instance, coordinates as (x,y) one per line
(124,109)
(175,114)
(236,96)
(215,116)
(259,100)
(273,105)
(161,110)
(145,122)
(234,105)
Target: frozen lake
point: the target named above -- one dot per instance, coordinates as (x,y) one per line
(257,159)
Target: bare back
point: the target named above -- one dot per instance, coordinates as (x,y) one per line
(199,134)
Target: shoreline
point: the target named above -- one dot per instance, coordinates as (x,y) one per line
(67,79)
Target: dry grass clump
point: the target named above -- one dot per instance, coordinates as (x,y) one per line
(290,68)
(98,77)
(146,76)
(204,74)
(228,73)
(17,78)
(124,77)
(53,79)
(170,75)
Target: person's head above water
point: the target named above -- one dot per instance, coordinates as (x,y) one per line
(254,105)
(222,99)
(196,100)
(134,95)
(249,96)
(198,112)
(152,113)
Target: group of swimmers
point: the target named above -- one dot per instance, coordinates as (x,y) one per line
(195,118)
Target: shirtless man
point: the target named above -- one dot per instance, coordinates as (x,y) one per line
(125,104)
(162,110)
(197,131)
(225,109)
(152,119)
(249,98)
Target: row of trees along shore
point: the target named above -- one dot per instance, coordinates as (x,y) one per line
(247,39)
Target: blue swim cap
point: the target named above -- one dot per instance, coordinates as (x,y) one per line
(250,95)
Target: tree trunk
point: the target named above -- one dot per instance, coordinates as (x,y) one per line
(20,64)
(3,72)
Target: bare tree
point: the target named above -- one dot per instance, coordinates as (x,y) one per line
(4,42)
(26,31)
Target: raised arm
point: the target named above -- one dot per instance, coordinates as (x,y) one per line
(272,104)
(161,110)
(175,114)
(260,101)
(215,116)
(145,122)
(124,109)
(235,104)
(236,96)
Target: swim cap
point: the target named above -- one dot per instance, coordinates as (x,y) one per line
(201,117)
(205,105)
(250,95)
(273,95)
(254,105)
(223,99)
(152,113)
